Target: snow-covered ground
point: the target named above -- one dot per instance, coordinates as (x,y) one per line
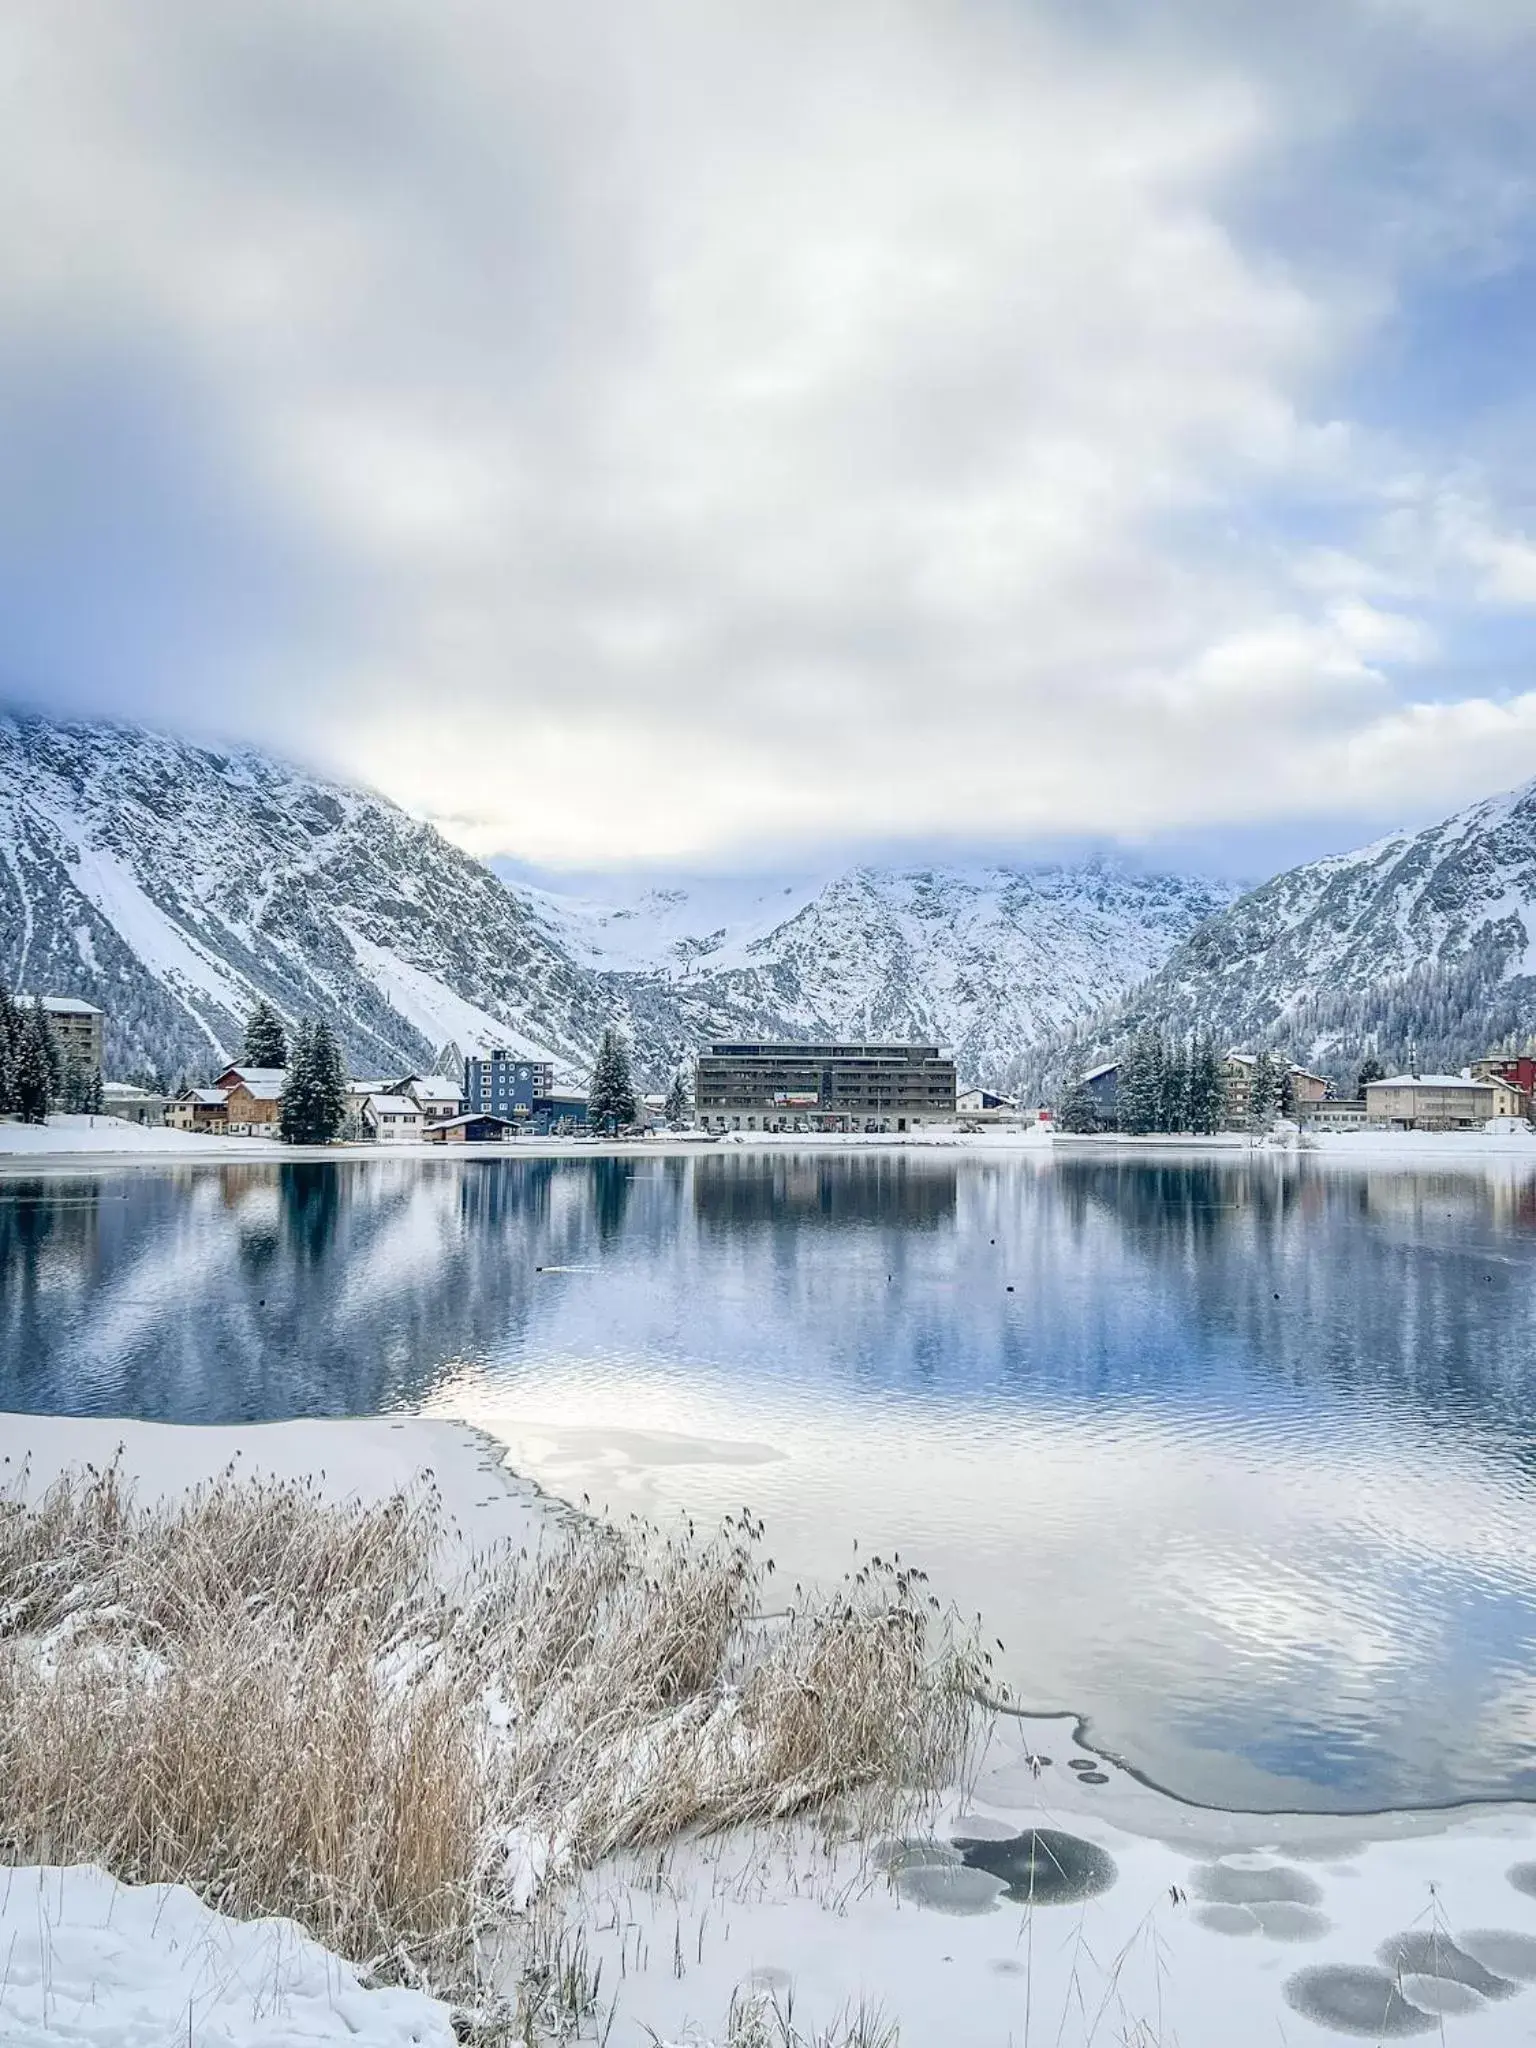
(1150,1922)
(89,1963)
(66,1137)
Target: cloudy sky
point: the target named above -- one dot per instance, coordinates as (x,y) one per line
(690,433)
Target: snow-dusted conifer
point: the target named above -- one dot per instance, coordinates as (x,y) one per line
(1263,1093)
(10,1048)
(1205,1104)
(611,1101)
(1077,1113)
(266,1042)
(329,1083)
(35,1066)
(678,1107)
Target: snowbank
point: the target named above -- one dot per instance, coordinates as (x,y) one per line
(365,1460)
(1135,1917)
(87,1961)
(66,1135)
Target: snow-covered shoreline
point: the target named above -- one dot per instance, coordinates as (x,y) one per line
(104,1140)
(1188,1918)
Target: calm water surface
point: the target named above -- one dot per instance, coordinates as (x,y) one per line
(1237,1455)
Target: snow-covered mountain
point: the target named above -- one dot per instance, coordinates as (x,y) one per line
(1422,943)
(982,959)
(172,883)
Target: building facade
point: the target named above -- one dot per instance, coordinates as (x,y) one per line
(253,1099)
(504,1083)
(1305,1089)
(1438,1102)
(78,1028)
(858,1087)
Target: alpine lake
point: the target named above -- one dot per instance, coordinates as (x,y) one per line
(1236,1453)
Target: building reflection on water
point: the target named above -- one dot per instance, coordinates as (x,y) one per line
(1238,1449)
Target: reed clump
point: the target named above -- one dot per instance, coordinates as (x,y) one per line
(298,1707)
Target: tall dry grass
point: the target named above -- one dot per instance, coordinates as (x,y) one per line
(285,1704)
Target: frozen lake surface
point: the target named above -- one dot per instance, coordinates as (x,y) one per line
(1235,1453)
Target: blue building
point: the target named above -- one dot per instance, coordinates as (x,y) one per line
(510,1085)
(1103,1084)
(506,1084)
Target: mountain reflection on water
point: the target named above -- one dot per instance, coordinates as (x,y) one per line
(1235,1453)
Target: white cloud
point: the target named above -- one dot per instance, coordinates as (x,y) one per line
(706,413)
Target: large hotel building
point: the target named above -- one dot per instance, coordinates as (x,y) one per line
(823,1087)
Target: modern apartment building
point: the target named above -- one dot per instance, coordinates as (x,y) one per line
(823,1087)
(504,1083)
(77,1026)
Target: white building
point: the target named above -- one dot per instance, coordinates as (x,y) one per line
(391,1119)
(435,1096)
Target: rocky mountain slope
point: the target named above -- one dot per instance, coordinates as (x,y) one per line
(1420,945)
(172,883)
(982,959)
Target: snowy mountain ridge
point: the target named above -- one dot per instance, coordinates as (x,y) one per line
(1421,944)
(172,883)
(981,959)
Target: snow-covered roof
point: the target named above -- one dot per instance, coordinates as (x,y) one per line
(259,1077)
(1097,1073)
(68,1006)
(263,1091)
(474,1116)
(124,1091)
(207,1095)
(435,1088)
(1427,1081)
(392,1105)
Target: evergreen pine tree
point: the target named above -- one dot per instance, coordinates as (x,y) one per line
(611,1099)
(1174,1094)
(1141,1085)
(10,1048)
(296,1111)
(34,1067)
(329,1085)
(1263,1093)
(266,1042)
(1370,1070)
(1205,1103)
(58,1076)
(677,1108)
(1077,1113)
(92,1100)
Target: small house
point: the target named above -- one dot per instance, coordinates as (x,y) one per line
(478,1127)
(255,1099)
(1103,1086)
(199,1109)
(436,1097)
(391,1119)
(984,1102)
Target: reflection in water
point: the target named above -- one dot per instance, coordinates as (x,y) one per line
(1235,1453)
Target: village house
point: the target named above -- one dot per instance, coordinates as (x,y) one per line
(199,1109)
(984,1102)
(133,1105)
(475,1128)
(253,1100)
(391,1119)
(435,1096)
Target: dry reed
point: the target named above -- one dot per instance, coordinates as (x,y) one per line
(285,1704)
